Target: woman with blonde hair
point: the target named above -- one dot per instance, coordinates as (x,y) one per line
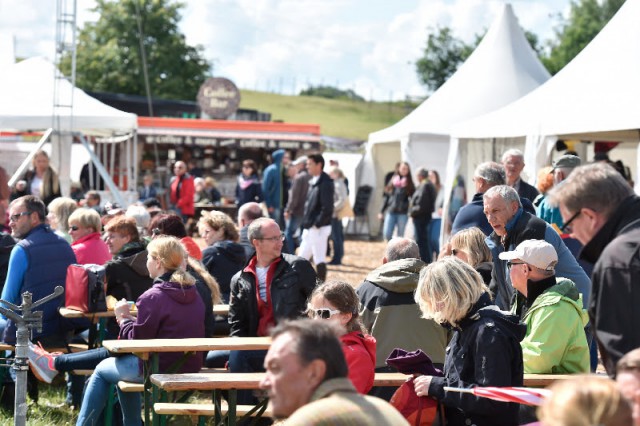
(337,301)
(42,180)
(59,210)
(84,228)
(171,309)
(585,401)
(485,348)
(223,257)
(469,246)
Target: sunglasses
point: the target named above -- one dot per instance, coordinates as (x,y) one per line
(16,217)
(510,264)
(156,232)
(74,228)
(324,313)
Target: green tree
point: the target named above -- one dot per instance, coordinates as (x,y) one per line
(442,56)
(586,19)
(330,92)
(109,58)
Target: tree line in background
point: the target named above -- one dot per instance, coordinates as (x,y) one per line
(444,53)
(129,34)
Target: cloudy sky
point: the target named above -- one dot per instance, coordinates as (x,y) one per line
(284,45)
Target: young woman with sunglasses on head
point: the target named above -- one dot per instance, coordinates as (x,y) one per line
(337,301)
(469,246)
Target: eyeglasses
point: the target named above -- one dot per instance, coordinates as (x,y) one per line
(274,239)
(74,228)
(324,313)
(16,217)
(567,228)
(156,232)
(510,264)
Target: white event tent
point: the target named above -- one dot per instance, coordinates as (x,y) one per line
(27,94)
(593,98)
(502,69)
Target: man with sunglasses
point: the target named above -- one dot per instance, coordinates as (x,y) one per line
(555,342)
(271,287)
(600,209)
(38,263)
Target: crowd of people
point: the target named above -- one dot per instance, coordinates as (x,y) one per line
(530,281)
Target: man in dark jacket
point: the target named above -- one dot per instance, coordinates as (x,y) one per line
(600,210)
(513,162)
(318,211)
(386,300)
(422,205)
(511,226)
(271,287)
(38,263)
(294,210)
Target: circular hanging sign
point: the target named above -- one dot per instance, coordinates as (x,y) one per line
(218,97)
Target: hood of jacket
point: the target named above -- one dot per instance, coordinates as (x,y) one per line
(624,218)
(398,276)
(563,290)
(484,308)
(183,295)
(328,387)
(277,156)
(366,341)
(232,250)
(137,261)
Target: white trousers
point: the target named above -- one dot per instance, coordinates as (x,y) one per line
(314,242)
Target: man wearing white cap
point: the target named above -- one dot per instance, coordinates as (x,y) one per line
(555,342)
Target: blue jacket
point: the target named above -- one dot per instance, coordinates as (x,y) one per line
(272,181)
(38,264)
(472,214)
(525,226)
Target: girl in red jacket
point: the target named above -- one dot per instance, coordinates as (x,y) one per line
(337,301)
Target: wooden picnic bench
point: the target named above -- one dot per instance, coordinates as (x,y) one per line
(230,382)
(149,350)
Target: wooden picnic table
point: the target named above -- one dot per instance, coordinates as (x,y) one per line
(98,329)
(149,349)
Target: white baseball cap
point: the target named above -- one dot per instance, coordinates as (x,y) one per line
(538,253)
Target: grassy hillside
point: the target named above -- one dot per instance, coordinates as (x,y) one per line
(340,118)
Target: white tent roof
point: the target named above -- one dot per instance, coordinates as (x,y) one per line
(26,90)
(502,68)
(597,92)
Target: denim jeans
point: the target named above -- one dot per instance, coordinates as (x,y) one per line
(247,362)
(293,226)
(337,235)
(421,226)
(390,222)
(109,372)
(434,236)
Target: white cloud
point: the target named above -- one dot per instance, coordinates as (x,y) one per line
(283,45)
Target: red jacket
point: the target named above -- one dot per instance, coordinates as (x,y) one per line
(184,202)
(360,353)
(91,249)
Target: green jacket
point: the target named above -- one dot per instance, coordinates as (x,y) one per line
(336,402)
(555,342)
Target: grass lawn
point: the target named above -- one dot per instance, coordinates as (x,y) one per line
(336,117)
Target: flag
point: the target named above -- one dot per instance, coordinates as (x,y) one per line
(528,396)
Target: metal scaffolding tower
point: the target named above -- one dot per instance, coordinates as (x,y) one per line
(63,98)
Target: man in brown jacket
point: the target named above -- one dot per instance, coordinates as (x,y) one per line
(307,382)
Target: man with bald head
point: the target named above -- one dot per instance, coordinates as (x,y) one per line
(182,191)
(389,311)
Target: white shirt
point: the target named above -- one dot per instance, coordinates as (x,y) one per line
(262,282)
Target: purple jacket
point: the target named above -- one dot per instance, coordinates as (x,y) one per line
(168,311)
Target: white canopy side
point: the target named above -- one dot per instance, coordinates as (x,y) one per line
(27,93)
(594,97)
(503,68)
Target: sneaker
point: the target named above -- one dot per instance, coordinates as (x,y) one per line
(41,363)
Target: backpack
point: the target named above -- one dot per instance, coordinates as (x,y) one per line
(418,410)
(85,288)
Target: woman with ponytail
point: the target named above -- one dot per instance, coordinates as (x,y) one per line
(170,309)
